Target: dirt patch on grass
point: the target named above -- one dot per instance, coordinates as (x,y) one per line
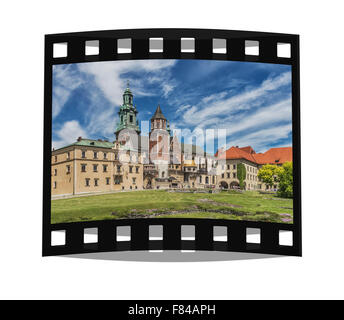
(215,203)
(152,213)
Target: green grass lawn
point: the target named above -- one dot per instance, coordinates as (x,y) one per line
(249,205)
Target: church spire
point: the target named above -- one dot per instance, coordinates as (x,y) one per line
(158,121)
(127,113)
(127,96)
(158,113)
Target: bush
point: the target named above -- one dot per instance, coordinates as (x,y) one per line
(241,171)
(285,188)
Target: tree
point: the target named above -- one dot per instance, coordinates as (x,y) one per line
(269,174)
(285,176)
(241,171)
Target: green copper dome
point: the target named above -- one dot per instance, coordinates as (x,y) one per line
(127,113)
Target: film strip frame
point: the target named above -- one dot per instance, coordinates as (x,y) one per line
(204,228)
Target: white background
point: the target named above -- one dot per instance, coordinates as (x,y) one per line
(25,274)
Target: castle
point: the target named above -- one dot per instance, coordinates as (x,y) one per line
(157,161)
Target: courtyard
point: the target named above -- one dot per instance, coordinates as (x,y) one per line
(233,205)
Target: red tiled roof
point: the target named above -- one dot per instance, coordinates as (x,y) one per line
(235,153)
(275,155)
(248,149)
(272,156)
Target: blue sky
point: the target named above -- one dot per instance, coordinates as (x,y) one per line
(245,103)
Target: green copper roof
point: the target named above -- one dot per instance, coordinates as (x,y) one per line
(91,143)
(94,143)
(127,90)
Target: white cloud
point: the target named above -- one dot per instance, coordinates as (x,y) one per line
(262,139)
(266,123)
(267,116)
(197,115)
(167,88)
(68,134)
(103,79)
(110,81)
(108,75)
(183,108)
(214,97)
(65,80)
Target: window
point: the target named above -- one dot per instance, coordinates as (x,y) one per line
(131,118)
(55,158)
(163,174)
(105,167)
(68,155)
(96,182)
(105,155)
(55,184)
(131,187)
(228,175)
(55,172)
(95,168)
(130,169)
(200,179)
(234,175)
(107,181)
(137,169)
(118,168)
(83,154)
(95,155)
(118,179)
(87,182)
(83,168)
(68,169)
(206,180)
(234,166)
(228,167)
(223,175)
(134,180)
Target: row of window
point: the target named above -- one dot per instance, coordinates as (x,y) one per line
(233,175)
(95,168)
(206,180)
(251,169)
(251,177)
(117,180)
(229,167)
(96,155)
(229,175)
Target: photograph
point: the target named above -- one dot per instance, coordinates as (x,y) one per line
(165,138)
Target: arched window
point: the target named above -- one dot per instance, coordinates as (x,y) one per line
(163,174)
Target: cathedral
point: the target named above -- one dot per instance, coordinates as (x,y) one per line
(155,161)
(133,161)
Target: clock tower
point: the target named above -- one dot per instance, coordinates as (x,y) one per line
(127,114)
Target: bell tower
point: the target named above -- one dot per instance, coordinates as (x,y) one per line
(159,143)
(127,114)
